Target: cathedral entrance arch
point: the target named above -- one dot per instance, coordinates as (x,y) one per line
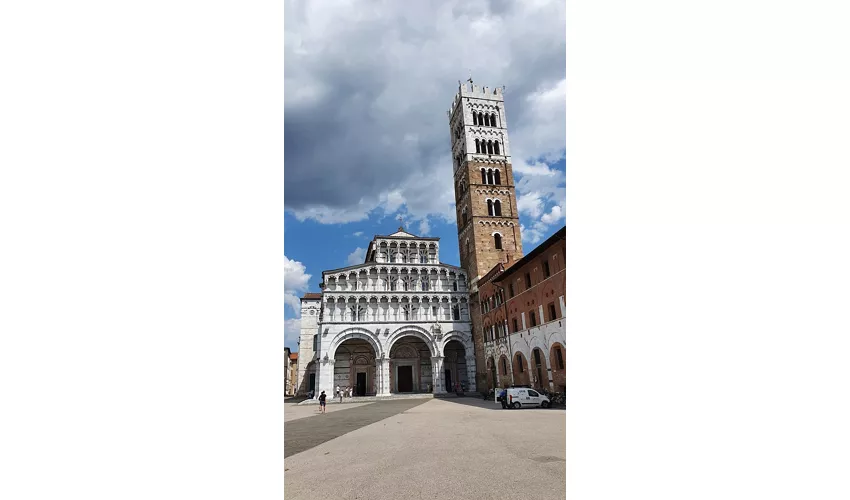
(455,366)
(410,366)
(354,367)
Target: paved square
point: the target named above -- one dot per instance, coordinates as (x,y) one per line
(433,448)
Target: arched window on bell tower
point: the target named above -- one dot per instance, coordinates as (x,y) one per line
(483,176)
(498,179)
(480,118)
(493,120)
(477,146)
(490,147)
(496,147)
(497,240)
(487,120)
(490,207)
(474,119)
(489,177)
(497,208)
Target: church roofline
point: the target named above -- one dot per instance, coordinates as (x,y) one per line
(406,238)
(386,264)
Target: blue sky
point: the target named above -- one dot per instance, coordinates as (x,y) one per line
(366,132)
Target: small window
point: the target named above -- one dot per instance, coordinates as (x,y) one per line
(552,314)
(498,179)
(560,358)
(493,120)
(533,317)
(497,240)
(454,285)
(527,280)
(489,147)
(510,290)
(455,313)
(434,311)
(477,146)
(496,148)
(315,343)
(497,205)
(546,269)
(489,177)
(519,362)
(487,120)
(483,176)
(533,393)
(490,207)
(504,366)
(474,119)
(537,356)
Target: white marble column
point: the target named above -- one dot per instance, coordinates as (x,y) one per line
(383,375)
(437,374)
(470,373)
(325,377)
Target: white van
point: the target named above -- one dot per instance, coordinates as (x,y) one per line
(521,397)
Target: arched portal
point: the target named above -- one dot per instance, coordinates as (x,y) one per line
(354,367)
(540,379)
(492,381)
(410,366)
(454,367)
(520,367)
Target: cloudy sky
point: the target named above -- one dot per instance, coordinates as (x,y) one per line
(367,87)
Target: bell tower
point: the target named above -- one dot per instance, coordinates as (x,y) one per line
(485,194)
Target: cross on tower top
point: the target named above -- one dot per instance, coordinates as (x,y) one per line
(401,220)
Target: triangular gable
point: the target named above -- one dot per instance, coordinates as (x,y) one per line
(403,234)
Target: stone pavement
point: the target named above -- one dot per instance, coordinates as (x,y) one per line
(305,433)
(464,448)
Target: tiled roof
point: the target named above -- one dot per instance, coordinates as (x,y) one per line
(312,296)
(294,355)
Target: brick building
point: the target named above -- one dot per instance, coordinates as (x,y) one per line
(490,247)
(522,329)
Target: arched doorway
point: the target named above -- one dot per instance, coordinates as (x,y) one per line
(410,366)
(354,367)
(556,359)
(492,381)
(520,370)
(454,366)
(504,372)
(541,376)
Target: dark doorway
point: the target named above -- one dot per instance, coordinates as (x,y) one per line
(313,382)
(361,384)
(449,386)
(405,379)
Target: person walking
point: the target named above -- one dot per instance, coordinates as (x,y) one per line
(322,402)
(503,397)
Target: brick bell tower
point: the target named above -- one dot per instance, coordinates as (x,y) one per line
(485,194)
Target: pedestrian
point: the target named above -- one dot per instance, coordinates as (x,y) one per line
(351,392)
(322,402)
(503,397)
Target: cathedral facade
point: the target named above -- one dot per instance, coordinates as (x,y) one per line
(397,324)
(403,322)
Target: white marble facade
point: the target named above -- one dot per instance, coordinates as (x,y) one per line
(397,323)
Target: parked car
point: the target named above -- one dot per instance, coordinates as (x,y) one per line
(520,397)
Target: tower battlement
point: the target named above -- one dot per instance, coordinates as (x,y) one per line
(470,89)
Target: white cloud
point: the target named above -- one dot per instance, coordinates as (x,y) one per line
(295,282)
(358,233)
(553,216)
(328,215)
(531,236)
(424,228)
(356,257)
(530,204)
(380,88)
(292,333)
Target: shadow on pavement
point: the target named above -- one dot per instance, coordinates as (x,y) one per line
(489,404)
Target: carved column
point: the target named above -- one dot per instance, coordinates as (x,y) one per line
(437,374)
(470,373)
